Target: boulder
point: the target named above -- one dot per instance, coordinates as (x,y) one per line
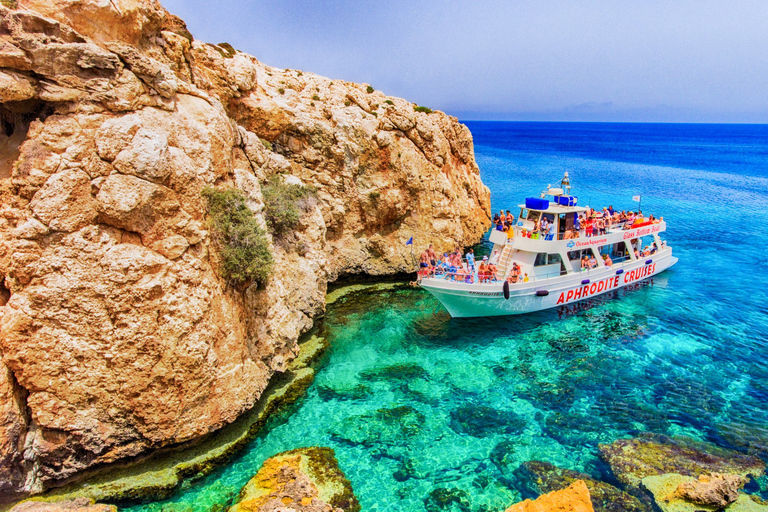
(306,479)
(543,477)
(679,493)
(718,490)
(574,498)
(631,460)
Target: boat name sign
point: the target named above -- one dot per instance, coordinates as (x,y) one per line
(641,232)
(582,292)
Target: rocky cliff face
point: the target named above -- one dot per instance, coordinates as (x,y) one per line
(117,333)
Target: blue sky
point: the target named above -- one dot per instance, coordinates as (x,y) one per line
(597,60)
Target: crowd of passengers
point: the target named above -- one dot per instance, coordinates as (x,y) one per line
(452,267)
(590,223)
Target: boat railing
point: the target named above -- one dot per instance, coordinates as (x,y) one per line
(575,235)
(471,276)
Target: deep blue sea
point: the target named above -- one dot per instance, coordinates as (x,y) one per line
(413,401)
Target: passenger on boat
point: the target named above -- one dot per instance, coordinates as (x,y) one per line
(607,261)
(510,231)
(610,209)
(601,225)
(492,272)
(514,274)
(525,278)
(482,270)
(588,225)
(424,267)
(551,231)
(584,262)
(647,251)
(494,259)
(432,255)
(637,253)
(471,260)
(510,218)
(592,261)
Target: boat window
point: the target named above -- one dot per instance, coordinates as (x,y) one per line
(541,259)
(533,215)
(523,214)
(553,258)
(574,255)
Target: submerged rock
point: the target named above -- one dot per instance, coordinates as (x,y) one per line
(631,460)
(395,372)
(483,421)
(447,498)
(387,426)
(543,477)
(574,498)
(306,480)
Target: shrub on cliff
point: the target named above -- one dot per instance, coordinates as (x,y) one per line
(242,243)
(419,108)
(285,202)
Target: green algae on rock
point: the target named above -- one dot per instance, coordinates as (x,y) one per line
(159,475)
(386,426)
(633,459)
(543,477)
(305,479)
(483,421)
(447,498)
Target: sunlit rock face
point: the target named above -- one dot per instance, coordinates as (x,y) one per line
(117,333)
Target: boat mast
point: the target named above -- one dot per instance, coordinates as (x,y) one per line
(565,184)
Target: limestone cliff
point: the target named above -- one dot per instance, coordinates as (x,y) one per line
(117,333)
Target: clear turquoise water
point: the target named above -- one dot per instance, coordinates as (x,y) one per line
(412,400)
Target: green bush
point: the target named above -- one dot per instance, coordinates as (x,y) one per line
(426,110)
(284,203)
(389,102)
(242,243)
(281,90)
(316,97)
(370,89)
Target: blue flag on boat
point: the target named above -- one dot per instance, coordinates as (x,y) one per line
(409,242)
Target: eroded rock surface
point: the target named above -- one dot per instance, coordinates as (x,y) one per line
(678,493)
(76,505)
(117,333)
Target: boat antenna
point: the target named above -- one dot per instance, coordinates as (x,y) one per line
(544,194)
(565,183)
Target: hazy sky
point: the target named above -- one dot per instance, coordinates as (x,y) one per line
(611,60)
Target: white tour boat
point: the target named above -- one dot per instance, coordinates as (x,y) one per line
(553,263)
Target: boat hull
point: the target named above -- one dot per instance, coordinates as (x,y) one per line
(478,300)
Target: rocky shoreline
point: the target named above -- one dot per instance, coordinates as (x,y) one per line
(119,336)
